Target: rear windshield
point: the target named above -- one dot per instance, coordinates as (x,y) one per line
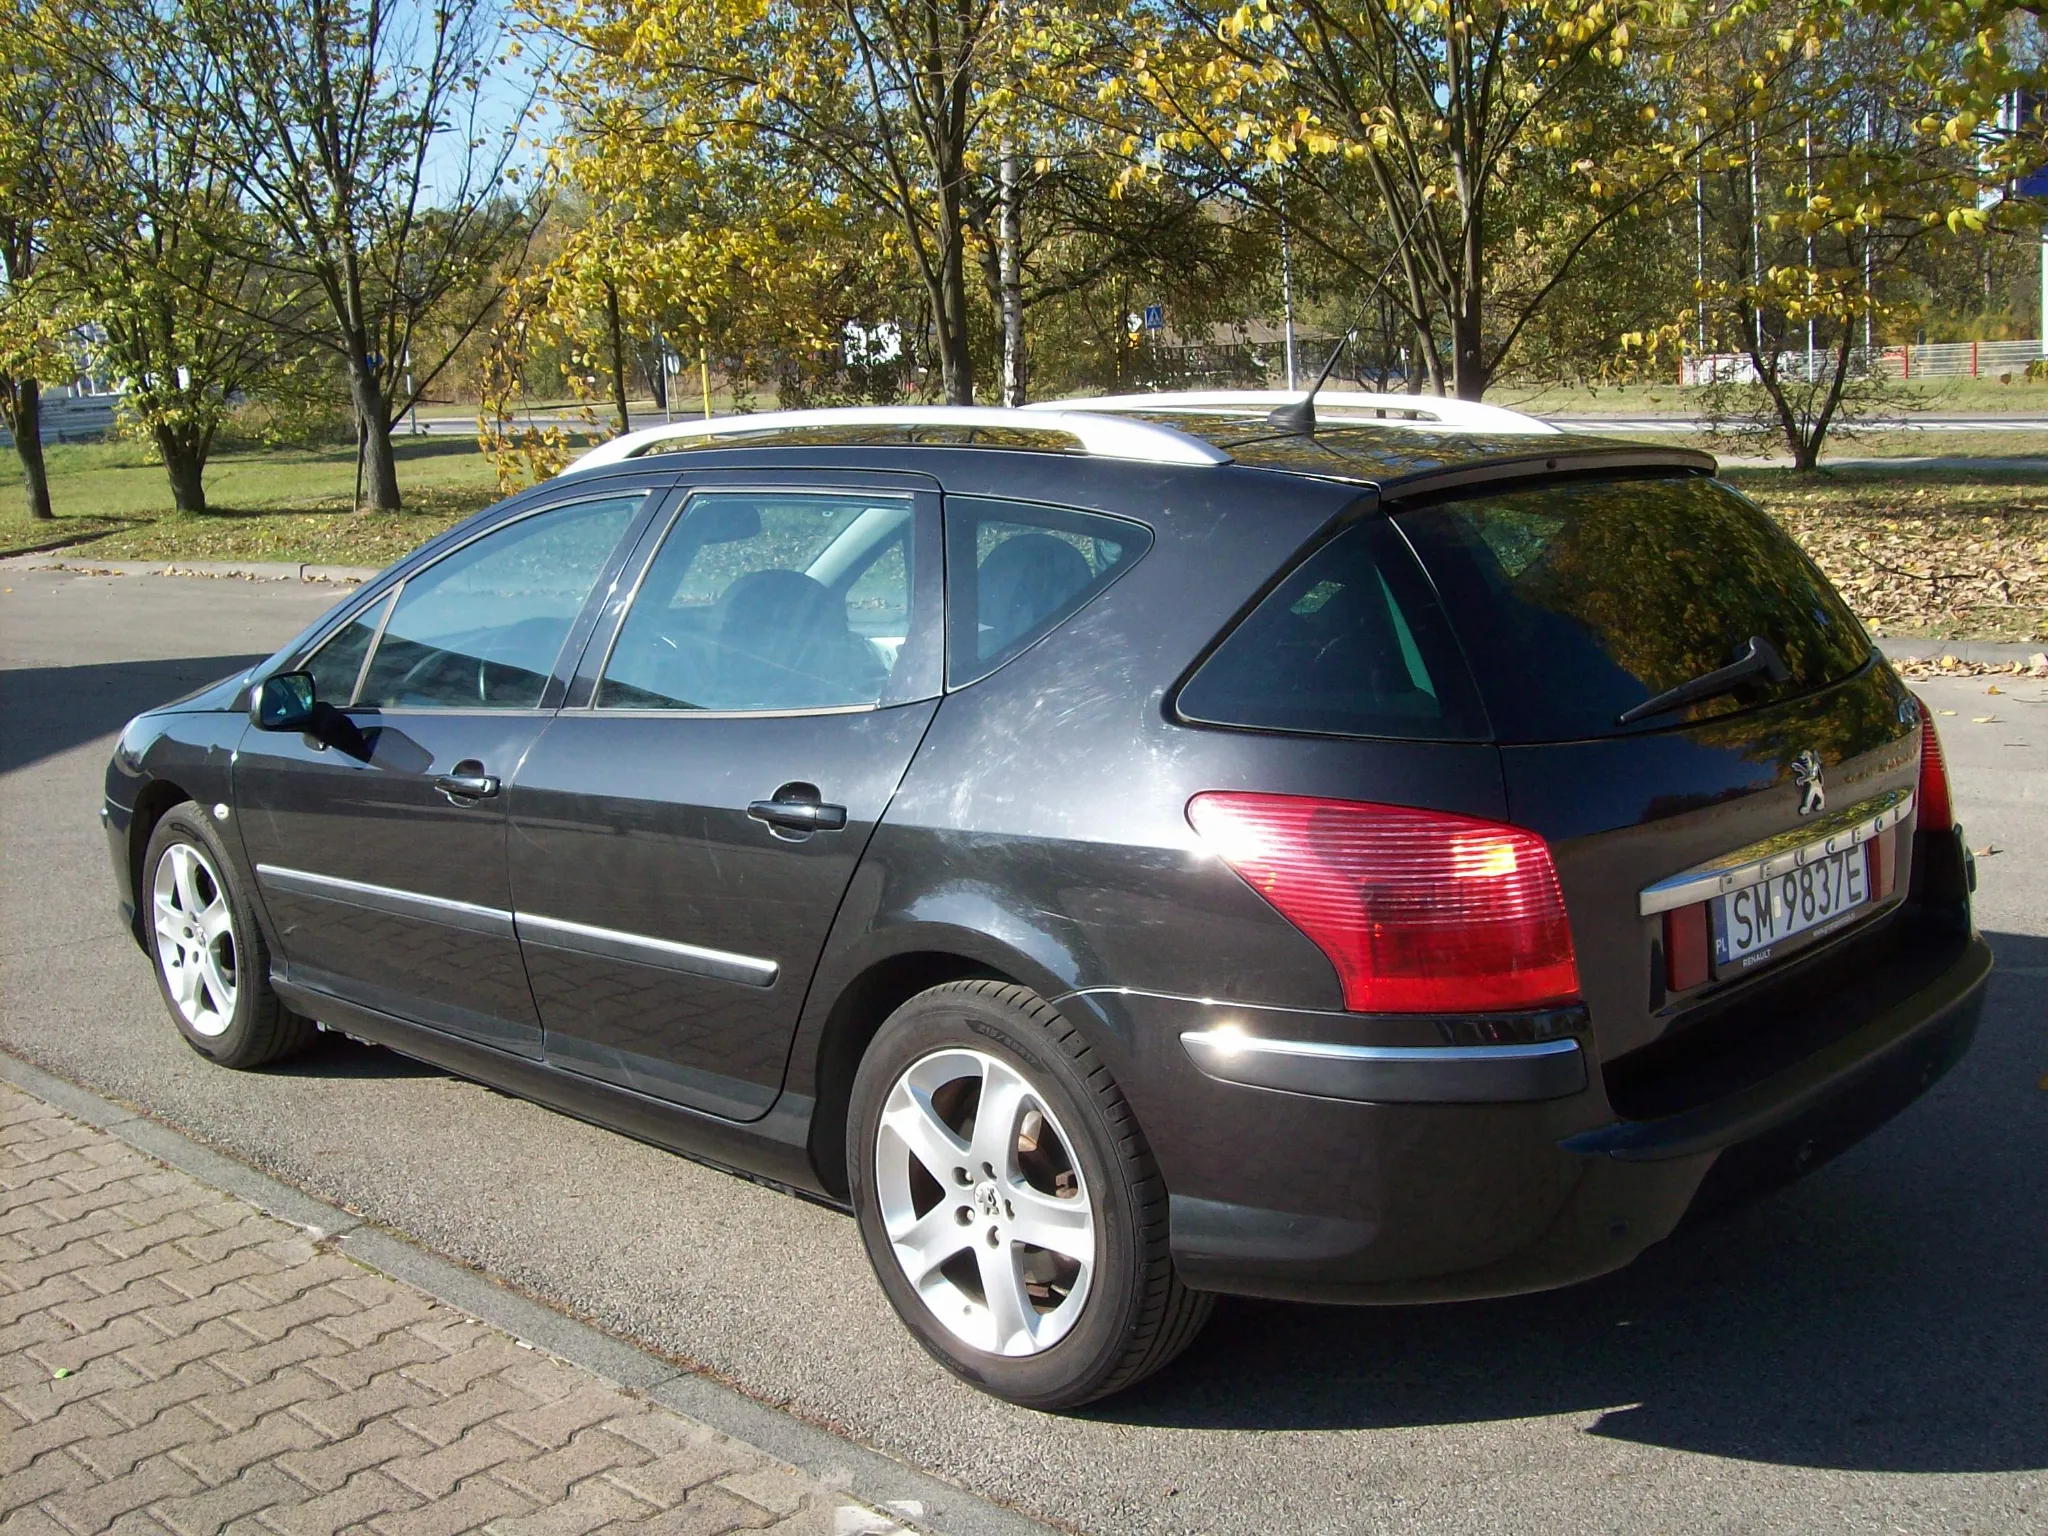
(1351,643)
(1578,601)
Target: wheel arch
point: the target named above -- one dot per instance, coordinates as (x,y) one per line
(155,801)
(857,1013)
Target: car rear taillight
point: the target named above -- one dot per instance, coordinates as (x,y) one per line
(1420,911)
(1936,813)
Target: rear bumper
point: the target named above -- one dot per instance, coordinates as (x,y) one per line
(1286,1189)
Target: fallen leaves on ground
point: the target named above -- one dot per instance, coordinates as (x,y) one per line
(1919,553)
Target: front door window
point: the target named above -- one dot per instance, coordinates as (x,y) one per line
(482,628)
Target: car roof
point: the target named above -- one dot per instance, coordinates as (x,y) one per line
(1399,444)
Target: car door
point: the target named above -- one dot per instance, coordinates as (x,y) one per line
(380,852)
(683,831)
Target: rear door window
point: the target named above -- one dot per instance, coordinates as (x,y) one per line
(1578,601)
(1351,643)
(769,601)
(1015,570)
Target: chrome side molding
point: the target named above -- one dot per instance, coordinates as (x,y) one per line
(468,916)
(527,927)
(691,959)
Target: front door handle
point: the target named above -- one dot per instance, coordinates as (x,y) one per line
(468,783)
(798,808)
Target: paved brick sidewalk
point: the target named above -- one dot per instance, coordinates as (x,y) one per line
(172,1360)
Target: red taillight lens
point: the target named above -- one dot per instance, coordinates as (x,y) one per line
(1421,912)
(1936,813)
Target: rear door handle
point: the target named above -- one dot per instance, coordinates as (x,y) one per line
(467,784)
(798,815)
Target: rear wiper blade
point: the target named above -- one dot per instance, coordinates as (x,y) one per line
(1758,657)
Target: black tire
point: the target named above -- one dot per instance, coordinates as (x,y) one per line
(1134,1315)
(257,1029)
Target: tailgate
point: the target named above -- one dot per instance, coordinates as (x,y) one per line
(1583,606)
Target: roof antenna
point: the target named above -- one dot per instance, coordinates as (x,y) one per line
(1300,415)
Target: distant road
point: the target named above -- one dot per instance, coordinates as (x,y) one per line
(1893,424)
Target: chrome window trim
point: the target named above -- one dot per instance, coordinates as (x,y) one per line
(690,495)
(472,918)
(621,712)
(1839,832)
(363,666)
(613,944)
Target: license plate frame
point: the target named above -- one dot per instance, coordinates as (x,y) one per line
(1764,919)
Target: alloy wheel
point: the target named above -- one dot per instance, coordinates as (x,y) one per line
(195,939)
(985,1205)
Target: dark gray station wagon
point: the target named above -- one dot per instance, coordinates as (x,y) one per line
(1124,852)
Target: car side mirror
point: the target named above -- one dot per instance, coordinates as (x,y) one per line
(284,702)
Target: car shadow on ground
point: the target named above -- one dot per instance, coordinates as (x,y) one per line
(49,710)
(1886,1314)
(337,1056)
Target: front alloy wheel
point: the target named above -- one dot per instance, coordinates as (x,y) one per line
(195,939)
(211,962)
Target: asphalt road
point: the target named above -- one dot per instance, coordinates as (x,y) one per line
(1865,1352)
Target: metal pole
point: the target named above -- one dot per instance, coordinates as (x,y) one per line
(1809,253)
(1869,301)
(1287,287)
(1699,188)
(704,372)
(1756,247)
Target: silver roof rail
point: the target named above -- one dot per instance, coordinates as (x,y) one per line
(1425,411)
(1105,436)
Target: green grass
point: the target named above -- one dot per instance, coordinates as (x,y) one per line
(264,504)
(1961,396)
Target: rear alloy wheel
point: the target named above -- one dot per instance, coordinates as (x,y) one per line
(211,962)
(1008,1202)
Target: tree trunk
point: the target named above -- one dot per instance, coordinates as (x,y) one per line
(1468,348)
(185,465)
(611,314)
(949,298)
(1010,254)
(373,418)
(25,420)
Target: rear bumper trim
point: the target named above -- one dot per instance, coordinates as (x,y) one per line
(1391,1074)
(1947,1006)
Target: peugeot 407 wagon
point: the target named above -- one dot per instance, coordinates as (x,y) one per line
(1124,852)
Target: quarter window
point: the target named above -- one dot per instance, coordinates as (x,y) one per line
(768,601)
(339,662)
(1351,643)
(1015,570)
(483,627)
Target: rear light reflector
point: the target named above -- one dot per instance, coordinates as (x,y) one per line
(1419,911)
(1881,863)
(1936,813)
(1685,947)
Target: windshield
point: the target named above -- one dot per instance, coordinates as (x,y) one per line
(1577,601)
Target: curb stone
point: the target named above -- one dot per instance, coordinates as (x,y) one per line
(1982,652)
(904,1494)
(244,570)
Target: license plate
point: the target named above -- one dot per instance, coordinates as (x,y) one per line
(1750,922)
